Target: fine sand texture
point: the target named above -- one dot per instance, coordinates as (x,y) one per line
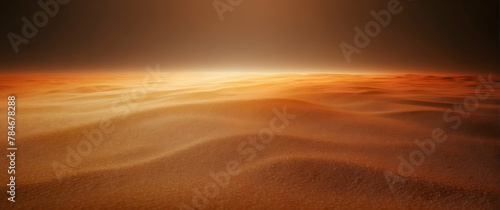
(252,141)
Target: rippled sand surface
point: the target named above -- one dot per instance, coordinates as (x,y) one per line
(243,141)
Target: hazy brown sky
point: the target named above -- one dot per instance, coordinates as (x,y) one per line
(302,35)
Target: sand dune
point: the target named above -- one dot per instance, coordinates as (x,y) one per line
(234,141)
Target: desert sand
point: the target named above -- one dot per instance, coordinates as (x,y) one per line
(252,141)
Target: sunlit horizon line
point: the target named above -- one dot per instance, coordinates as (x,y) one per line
(240,72)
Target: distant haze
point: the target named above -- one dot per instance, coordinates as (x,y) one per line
(258,35)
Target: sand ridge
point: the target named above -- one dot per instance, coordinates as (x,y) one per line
(348,133)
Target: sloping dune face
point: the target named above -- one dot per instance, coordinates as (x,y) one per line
(235,141)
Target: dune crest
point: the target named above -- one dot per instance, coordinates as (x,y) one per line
(159,147)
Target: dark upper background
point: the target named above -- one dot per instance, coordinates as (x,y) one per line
(445,36)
